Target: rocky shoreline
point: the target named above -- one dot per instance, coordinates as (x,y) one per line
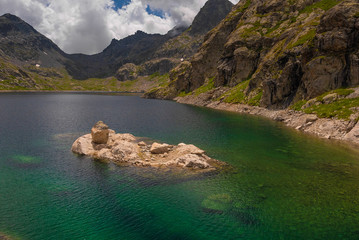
(347,131)
(127,150)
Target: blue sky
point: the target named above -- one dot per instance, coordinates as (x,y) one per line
(121,3)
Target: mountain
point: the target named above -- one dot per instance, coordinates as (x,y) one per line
(274,54)
(22,43)
(179,43)
(209,16)
(34,55)
(136,49)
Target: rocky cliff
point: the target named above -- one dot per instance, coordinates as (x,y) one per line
(180,42)
(274,54)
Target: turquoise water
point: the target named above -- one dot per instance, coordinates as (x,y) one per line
(281,185)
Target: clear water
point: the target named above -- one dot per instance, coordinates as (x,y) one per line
(283,185)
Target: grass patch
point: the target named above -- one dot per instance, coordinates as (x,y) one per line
(245,6)
(308,37)
(205,87)
(237,95)
(270,30)
(356,15)
(251,31)
(184,94)
(256,100)
(339,109)
(324,5)
(343,92)
(298,105)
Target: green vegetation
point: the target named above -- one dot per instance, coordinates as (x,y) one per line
(298,105)
(237,94)
(356,15)
(270,30)
(255,101)
(340,109)
(306,38)
(343,92)
(251,30)
(205,87)
(324,5)
(245,6)
(234,13)
(184,94)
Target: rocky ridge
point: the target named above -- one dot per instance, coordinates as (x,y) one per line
(125,149)
(282,51)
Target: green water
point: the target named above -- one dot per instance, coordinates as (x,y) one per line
(281,185)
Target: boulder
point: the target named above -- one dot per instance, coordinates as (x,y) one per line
(183,149)
(192,161)
(83,145)
(142,144)
(125,151)
(330,98)
(353,135)
(158,148)
(100,133)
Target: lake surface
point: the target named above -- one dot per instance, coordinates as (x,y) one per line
(281,185)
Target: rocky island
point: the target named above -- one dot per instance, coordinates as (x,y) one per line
(125,149)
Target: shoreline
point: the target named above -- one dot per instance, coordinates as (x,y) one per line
(334,129)
(64,91)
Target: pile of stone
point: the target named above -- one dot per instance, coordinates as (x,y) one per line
(107,145)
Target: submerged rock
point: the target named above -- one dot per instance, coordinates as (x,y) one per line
(4,237)
(107,145)
(217,203)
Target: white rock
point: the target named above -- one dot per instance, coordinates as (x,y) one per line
(188,149)
(83,145)
(158,148)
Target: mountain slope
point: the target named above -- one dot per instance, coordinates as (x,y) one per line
(26,48)
(22,43)
(275,53)
(183,44)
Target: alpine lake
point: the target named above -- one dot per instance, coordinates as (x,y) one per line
(279,183)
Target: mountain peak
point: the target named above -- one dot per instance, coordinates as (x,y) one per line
(11,24)
(210,15)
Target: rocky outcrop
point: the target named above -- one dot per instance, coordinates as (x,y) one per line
(127,72)
(286,50)
(126,149)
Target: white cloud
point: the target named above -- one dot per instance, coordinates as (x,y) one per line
(87,26)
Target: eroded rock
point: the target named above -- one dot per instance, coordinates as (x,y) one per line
(100,133)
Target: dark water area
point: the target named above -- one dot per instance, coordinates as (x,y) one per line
(282,184)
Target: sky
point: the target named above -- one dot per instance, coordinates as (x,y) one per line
(88,26)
